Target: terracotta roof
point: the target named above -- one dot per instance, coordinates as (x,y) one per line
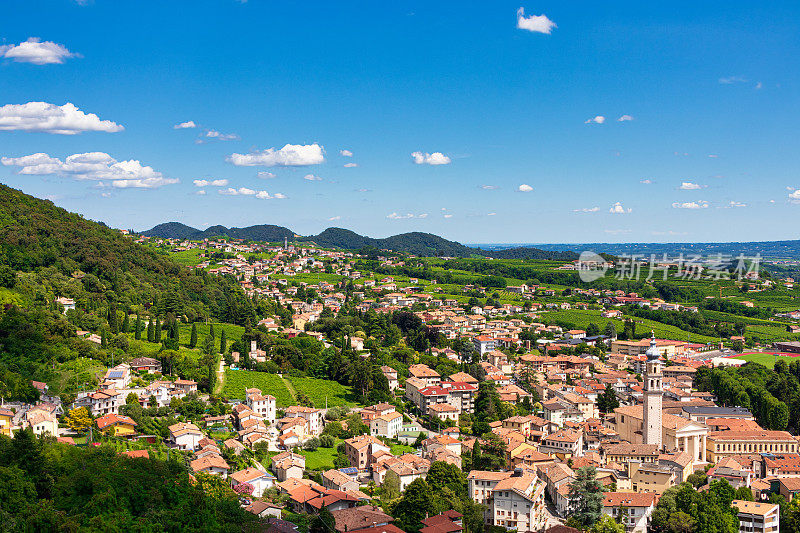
(754,508)
(358,518)
(629,499)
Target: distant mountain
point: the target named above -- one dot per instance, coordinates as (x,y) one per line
(262,232)
(417,243)
(341,238)
(172,230)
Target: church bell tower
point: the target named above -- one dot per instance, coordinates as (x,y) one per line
(653,391)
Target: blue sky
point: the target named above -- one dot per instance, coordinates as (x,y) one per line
(710,152)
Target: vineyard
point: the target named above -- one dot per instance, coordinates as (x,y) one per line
(237,381)
(320,390)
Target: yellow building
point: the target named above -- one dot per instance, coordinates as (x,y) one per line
(120,425)
(5,421)
(650,477)
(725,443)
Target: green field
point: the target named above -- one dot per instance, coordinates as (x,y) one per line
(237,381)
(582,318)
(321,459)
(188,257)
(766,359)
(400,449)
(318,390)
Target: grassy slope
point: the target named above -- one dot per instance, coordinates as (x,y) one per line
(237,381)
(318,390)
(583,318)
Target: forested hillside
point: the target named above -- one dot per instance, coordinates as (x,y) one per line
(47,253)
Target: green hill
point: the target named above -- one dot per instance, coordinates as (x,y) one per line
(417,243)
(47,252)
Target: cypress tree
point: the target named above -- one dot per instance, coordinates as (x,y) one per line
(103,339)
(223,342)
(112,319)
(157,337)
(150,331)
(126,323)
(193,337)
(211,331)
(137,334)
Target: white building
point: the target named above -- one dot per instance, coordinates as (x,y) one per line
(386,425)
(632,510)
(263,406)
(756,517)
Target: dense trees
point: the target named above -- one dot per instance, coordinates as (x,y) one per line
(55,487)
(682,509)
(773,397)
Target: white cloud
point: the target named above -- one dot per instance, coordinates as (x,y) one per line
(646,181)
(50,118)
(488,187)
(759,85)
(91,166)
(490,214)
(214,134)
(794,195)
(424,158)
(713,156)
(396,216)
(312,177)
(734,203)
(732,79)
(524,188)
(448,215)
(599,119)
(625,118)
(594,209)
(689,186)
(617,231)
(184,125)
(617,209)
(244,191)
(701,204)
(201,192)
(337,217)
(534,23)
(266,175)
(350,165)
(212,183)
(291,155)
(346,153)
(37,52)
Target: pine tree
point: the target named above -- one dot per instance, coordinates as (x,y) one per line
(137,334)
(150,331)
(193,337)
(157,336)
(223,342)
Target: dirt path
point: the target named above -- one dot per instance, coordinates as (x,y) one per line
(220,377)
(289,387)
